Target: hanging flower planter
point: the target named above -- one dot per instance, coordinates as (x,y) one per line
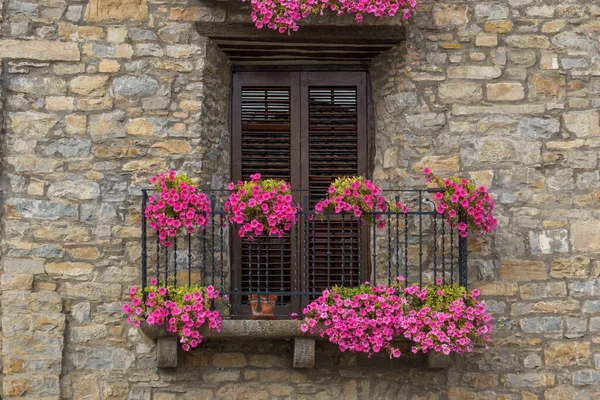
(182,310)
(176,206)
(355,196)
(261,207)
(284,15)
(462,197)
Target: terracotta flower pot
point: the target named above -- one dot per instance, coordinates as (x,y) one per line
(267,306)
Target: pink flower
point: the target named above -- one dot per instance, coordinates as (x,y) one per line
(426,171)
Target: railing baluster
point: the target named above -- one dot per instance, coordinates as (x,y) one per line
(144,244)
(389,246)
(221,229)
(435,246)
(157,258)
(343,245)
(314,249)
(397,238)
(406,248)
(351,249)
(328,250)
(258,307)
(189,259)
(374,233)
(361,277)
(443,250)
(420,238)
(204,257)
(281,289)
(451,254)
(175,261)
(212,246)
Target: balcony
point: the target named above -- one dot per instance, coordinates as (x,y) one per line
(274,278)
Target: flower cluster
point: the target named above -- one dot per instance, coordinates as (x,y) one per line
(283,15)
(445,318)
(261,206)
(354,195)
(461,196)
(183,310)
(176,205)
(362,320)
(441,318)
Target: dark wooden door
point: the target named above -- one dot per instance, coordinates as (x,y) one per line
(307,128)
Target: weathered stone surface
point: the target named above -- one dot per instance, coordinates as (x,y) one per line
(566,354)
(451,92)
(16,281)
(576,267)
(589,377)
(69,148)
(499,289)
(113,10)
(230,360)
(447,15)
(506,91)
(107,125)
(89,85)
(69,269)
(129,86)
(43,50)
(522,270)
(474,72)
(538,128)
(528,41)
(541,325)
(28,208)
(74,190)
(529,380)
(534,291)
(548,242)
(582,123)
(585,236)
(32,124)
(101,358)
(546,86)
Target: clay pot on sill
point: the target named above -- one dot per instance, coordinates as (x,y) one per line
(267,306)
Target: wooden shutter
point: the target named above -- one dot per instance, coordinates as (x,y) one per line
(308,128)
(334,122)
(263,126)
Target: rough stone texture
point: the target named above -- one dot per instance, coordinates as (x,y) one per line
(100,95)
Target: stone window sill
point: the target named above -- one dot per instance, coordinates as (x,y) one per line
(304,344)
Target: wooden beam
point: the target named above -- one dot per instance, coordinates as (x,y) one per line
(356,34)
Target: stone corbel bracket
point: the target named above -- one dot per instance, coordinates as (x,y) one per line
(304,343)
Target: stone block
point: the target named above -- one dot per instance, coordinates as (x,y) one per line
(16,281)
(575,267)
(452,92)
(522,270)
(304,352)
(535,291)
(528,41)
(116,10)
(541,325)
(549,242)
(89,85)
(582,124)
(229,360)
(474,72)
(585,235)
(505,91)
(41,50)
(529,380)
(560,354)
(130,86)
(450,15)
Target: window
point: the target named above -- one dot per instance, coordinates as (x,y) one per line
(307,128)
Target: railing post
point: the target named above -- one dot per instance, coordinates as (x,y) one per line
(463,254)
(144,244)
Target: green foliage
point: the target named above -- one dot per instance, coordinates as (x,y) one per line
(439,297)
(174,184)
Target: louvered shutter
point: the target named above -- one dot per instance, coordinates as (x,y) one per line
(335,123)
(307,128)
(262,142)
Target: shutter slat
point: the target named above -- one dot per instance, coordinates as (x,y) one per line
(266,148)
(333,152)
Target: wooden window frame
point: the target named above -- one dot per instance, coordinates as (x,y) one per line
(299,80)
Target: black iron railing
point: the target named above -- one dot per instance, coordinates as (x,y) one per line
(275,277)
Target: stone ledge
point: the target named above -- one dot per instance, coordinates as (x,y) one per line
(304,343)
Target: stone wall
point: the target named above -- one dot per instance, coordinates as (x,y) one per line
(98,96)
